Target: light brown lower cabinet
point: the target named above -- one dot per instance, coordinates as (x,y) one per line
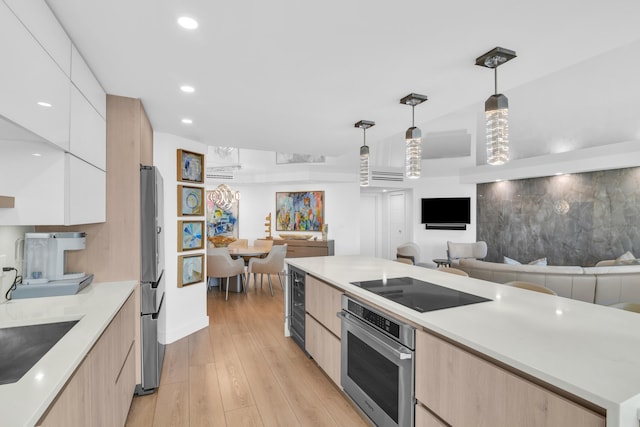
(466,390)
(425,418)
(324,347)
(322,326)
(100,391)
(323,301)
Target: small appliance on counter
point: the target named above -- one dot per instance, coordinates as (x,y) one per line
(44,265)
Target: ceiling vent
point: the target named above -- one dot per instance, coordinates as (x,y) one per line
(221,173)
(387,174)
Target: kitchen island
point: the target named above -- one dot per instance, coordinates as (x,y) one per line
(556,351)
(63,384)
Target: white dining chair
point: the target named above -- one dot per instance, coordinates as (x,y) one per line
(221,265)
(273,263)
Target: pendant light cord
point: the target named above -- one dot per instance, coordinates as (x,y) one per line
(495,79)
(364,139)
(413,116)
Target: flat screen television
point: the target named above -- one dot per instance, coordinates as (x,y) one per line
(451,210)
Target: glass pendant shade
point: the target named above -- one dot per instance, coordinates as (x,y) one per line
(497,115)
(364,166)
(413,160)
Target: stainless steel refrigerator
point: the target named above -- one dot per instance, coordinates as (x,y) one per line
(152,283)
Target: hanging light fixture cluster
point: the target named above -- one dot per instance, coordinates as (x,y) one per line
(497,124)
(364,152)
(413,136)
(496,109)
(224,197)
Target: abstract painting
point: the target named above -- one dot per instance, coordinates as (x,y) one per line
(190,269)
(190,201)
(221,222)
(190,235)
(190,166)
(300,211)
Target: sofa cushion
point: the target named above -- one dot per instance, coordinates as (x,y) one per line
(539,261)
(625,258)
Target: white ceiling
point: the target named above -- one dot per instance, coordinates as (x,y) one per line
(294,76)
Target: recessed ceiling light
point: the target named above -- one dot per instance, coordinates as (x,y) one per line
(36,154)
(44,104)
(187,121)
(187,89)
(188,23)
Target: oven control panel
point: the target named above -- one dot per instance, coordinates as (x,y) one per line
(374,319)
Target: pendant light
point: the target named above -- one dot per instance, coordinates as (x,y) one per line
(496,109)
(413,136)
(364,152)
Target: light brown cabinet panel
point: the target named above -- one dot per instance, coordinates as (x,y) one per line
(109,359)
(71,408)
(466,390)
(323,301)
(100,391)
(307,248)
(425,418)
(324,347)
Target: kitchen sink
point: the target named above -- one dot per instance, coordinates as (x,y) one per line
(23,346)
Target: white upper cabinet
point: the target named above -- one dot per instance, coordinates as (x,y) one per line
(85,81)
(28,77)
(88,131)
(86,193)
(65,183)
(45,28)
(33,172)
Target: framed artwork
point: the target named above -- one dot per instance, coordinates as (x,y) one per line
(190,235)
(221,222)
(300,211)
(190,166)
(190,269)
(190,201)
(288,158)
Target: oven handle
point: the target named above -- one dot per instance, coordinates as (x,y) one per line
(396,348)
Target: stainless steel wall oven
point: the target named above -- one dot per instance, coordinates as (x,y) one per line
(378,364)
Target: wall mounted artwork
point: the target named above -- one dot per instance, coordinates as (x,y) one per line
(300,211)
(190,269)
(190,201)
(190,166)
(220,221)
(190,235)
(291,158)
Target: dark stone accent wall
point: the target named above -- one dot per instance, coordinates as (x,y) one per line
(576,219)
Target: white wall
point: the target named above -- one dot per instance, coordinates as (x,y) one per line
(8,237)
(341,211)
(433,243)
(186,307)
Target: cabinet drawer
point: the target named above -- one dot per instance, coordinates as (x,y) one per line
(425,418)
(323,301)
(324,347)
(465,390)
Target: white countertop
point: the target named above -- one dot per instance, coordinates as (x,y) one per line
(24,402)
(588,350)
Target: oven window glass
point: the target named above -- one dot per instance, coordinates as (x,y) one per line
(374,374)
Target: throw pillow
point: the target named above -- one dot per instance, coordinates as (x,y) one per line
(539,261)
(628,262)
(511,261)
(627,256)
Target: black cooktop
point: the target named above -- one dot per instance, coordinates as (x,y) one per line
(419,295)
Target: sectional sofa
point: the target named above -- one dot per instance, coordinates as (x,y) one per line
(604,285)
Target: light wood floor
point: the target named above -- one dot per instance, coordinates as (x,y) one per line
(242,371)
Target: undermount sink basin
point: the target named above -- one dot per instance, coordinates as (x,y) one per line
(23,346)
